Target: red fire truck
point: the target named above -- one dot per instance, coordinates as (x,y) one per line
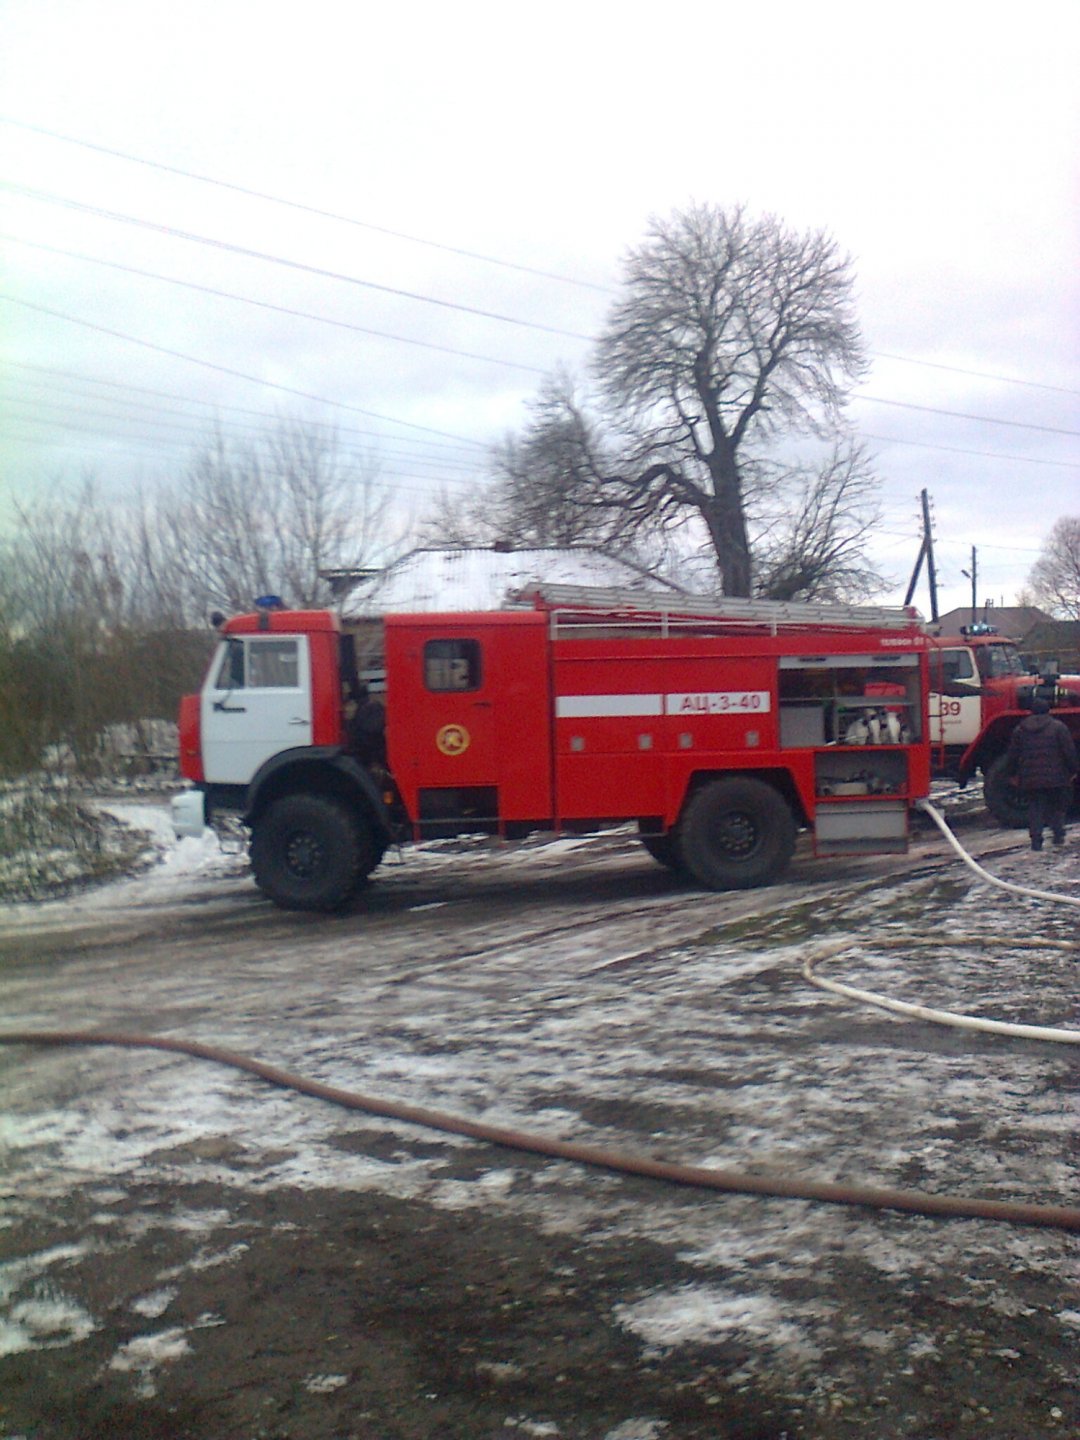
(720,730)
(980,690)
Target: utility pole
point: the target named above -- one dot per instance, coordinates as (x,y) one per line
(926,552)
(972,575)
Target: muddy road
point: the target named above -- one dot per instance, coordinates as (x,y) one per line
(186,1252)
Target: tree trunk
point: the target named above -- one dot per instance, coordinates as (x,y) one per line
(726,522)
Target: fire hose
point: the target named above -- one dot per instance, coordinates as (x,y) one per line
(1059,1217)
(939,820)
(833,948)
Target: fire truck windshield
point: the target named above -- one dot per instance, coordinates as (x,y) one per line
(999,661)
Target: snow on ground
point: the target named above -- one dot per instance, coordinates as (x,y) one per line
(714,1051)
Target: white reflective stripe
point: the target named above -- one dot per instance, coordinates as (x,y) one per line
(720,702)
(584,707)
(699,702)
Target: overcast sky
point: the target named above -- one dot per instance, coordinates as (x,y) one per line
(502,159)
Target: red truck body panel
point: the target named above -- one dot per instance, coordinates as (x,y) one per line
(191,760)
(557,730)
(493,733)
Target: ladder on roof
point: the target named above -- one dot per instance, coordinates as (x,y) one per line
(578,604)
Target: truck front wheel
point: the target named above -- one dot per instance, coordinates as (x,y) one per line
(736,833)
(1003,800)
(310,853)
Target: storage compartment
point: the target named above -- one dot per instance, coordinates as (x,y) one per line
(860,772)
(861,700)
(802,723)
(861,827)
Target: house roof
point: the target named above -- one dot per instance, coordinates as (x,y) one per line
(1012,621)
(478,579)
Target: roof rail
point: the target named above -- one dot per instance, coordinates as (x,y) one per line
(585,601)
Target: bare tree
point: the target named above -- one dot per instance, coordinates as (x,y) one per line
(1055,576)
(542,493)
(103,607)
(732,337)
(267,518)
(69,623)
(545,491)
(464,518)
(814,529)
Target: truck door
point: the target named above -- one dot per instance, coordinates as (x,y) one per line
(955,697)
(469,721)
(255,703)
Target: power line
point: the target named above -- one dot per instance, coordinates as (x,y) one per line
(977,374)
(295,264)
(384,441)
(875,399)
(307,209)
(983,454)
(461,441)
(218,406)
(248,254)
(388,480)
(268,305)
(31,411)
(453,249)
(237,374)
(195,432)
(960,415)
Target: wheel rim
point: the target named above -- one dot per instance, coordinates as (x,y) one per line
(303,855)
(735,835)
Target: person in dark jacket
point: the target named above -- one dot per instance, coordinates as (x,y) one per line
(365,727)
(1042,758)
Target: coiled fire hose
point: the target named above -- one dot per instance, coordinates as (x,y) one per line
(1058,1217)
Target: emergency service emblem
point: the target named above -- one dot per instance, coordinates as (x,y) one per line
(453,739)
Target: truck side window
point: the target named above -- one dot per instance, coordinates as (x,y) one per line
(273,664)
(956,665)
(230,675)
(1002,660)
(452,665)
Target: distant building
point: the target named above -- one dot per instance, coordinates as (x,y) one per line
(1039,636)
(1054,640)
(1012,621)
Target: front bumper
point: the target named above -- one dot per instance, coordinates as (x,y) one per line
(188,811)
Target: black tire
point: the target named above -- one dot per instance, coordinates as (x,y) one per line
(1003,800)
(664,851)
(309,852)
(736,833)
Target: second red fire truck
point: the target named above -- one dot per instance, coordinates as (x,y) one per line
(719,730)
(981,687)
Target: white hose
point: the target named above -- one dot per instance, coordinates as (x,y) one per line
(948,1017)
(939,821)
(924,1012)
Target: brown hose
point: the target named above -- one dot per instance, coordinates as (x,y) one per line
(1057,1217)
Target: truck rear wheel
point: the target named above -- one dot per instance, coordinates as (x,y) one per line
(309,852)
(736,833)
(1003,800)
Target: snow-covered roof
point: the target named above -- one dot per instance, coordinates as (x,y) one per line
(451,580)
